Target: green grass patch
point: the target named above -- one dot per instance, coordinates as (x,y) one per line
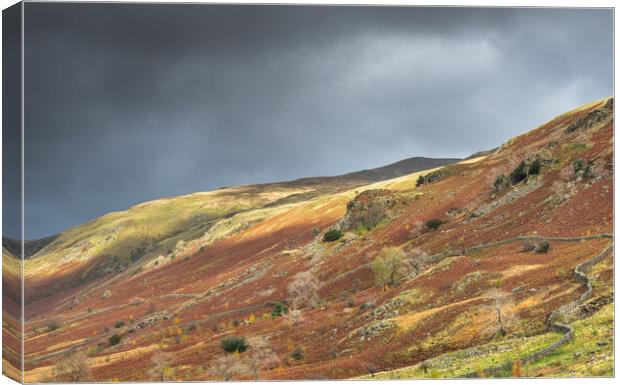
(589,354)
(463,362)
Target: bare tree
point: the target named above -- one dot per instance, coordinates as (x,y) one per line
(160,369)
(228,366)
(416,259)
(73,303)
(494,178)
(504,311)
(294,317)
(260,356)
(568,174)
(372,368)
(303,290)
(415,228)
(498,299)
(73,367)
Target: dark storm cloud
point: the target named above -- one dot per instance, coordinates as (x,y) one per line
(11,119)
(126,103)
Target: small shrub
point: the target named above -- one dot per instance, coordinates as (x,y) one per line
(119,324)
(524,170)
(542,247)
(316,231)
(582,169)
(234,344)
(434,224)
(278,310)
(115,340)
(578,165)
(593,169)
(53,325)
(251,319)
(527,247)
(297,354)
(420,181)
(501,182)
(535,167)
(431,177)
(519,173)
(332,235)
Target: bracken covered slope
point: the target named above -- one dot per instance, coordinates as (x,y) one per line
(153,229)
(173,277)
(11,314)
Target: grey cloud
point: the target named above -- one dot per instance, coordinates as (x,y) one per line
(126,103)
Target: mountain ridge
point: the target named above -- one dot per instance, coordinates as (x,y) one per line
(392,170)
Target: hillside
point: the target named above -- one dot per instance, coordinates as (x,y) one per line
(523,232)
(11,313)
(157,229)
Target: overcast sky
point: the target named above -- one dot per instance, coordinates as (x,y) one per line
(128,103)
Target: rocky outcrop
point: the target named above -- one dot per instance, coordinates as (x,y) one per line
(371,331)
(369,208)
(592,118)
(519,192)
(152,319)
